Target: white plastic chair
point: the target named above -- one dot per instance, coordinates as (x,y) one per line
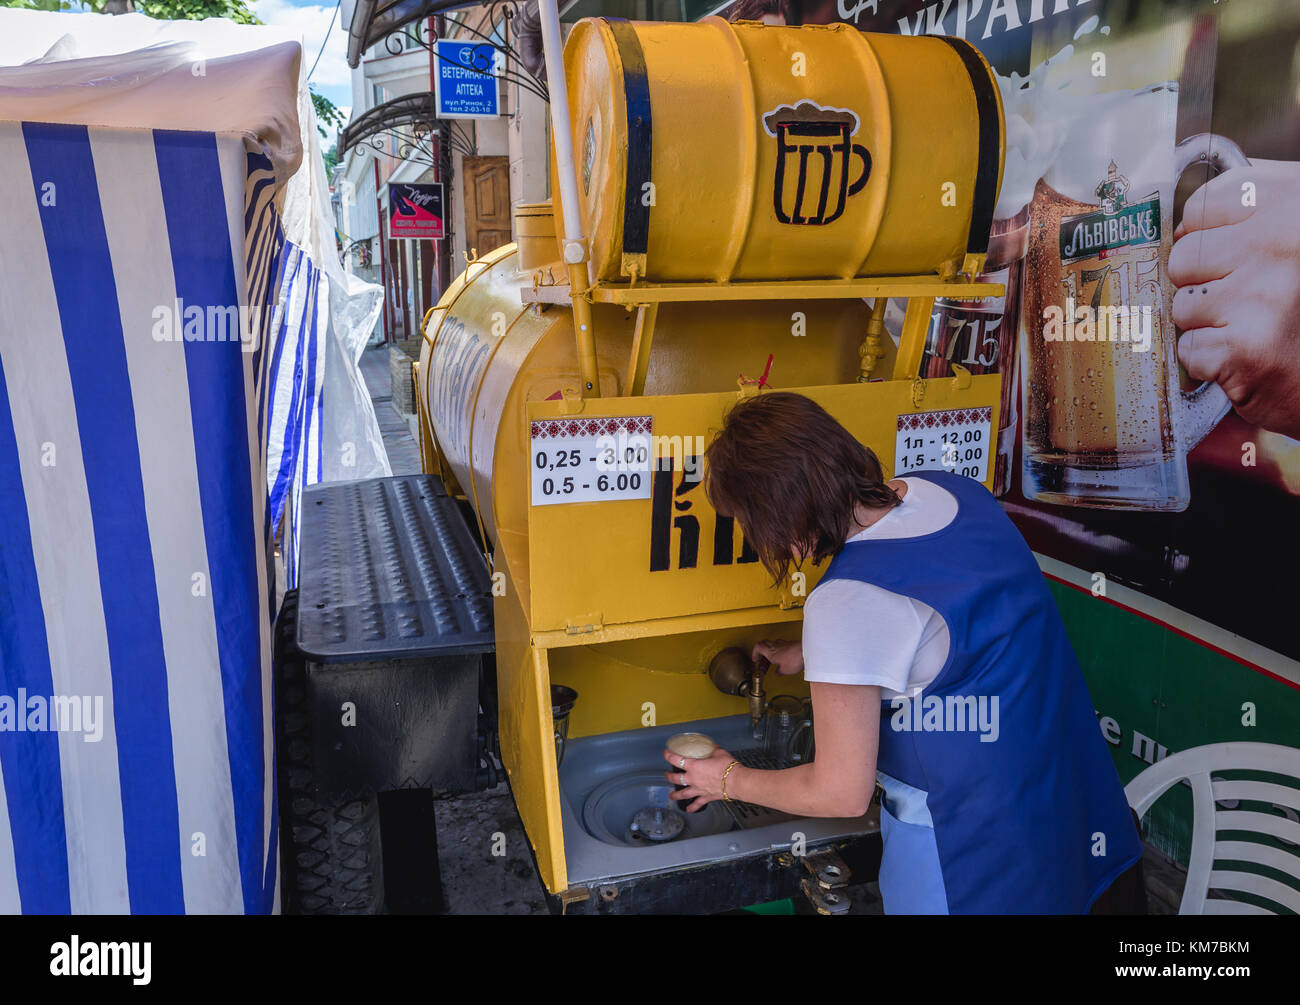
(1196,766)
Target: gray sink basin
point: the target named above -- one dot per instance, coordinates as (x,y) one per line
(635,809)
(619,822)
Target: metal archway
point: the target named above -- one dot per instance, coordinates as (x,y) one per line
(409,121)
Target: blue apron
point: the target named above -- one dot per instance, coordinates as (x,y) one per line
(1000,793)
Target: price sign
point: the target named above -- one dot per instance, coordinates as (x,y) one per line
(601,459)
(955,440)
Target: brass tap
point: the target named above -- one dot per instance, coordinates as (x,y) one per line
(732,672)
(757,697)
(871,351)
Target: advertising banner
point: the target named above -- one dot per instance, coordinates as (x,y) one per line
(415,211)
(1148,233)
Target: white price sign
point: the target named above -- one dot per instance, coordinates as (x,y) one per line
(598,459)
(956,440)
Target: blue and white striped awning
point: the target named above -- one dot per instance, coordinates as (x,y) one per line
(292,296)
(134,586)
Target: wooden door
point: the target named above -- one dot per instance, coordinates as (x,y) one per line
(487,203)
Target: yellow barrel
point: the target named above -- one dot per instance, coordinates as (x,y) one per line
(717,151)
(535,234)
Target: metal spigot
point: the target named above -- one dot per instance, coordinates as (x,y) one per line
(757,696)
(732,672)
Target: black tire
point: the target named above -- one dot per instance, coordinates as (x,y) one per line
(330,855)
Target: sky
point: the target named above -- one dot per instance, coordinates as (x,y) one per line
(332,77)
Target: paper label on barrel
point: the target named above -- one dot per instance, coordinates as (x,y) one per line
(598,459)
(956,440)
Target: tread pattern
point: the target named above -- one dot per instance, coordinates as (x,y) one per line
(331,858)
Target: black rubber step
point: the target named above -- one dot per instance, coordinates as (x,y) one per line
(389,570)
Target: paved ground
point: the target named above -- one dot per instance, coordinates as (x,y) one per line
(403,451)
(475,880)
(474,830)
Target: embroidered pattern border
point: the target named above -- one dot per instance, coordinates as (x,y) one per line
(938,420)
(558,429)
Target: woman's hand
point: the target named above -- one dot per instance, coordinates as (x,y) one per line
(786,657)
(702,777)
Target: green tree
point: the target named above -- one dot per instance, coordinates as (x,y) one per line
(327,114)
(163,10)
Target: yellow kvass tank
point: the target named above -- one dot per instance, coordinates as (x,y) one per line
(765,232)
(719,151)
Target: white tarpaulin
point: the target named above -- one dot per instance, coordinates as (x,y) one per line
(132,71)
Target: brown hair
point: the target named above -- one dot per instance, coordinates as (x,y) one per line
(791,475)
(790,11)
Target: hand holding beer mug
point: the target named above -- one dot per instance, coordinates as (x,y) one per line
(1106,422)
(1236,258)
(707,765)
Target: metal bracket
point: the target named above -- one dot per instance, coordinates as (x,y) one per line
(828,869)
(826,901)
(585,624)
(573,895)
(972,265)
(572,400)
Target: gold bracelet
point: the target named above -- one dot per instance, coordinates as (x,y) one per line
(726,797)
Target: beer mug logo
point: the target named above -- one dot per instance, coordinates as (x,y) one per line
(814,160)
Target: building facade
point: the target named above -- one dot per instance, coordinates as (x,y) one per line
(484,165)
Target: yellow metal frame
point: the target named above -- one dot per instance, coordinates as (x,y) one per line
(805,289)
(567,626)
(919,291)
(642,339)
(571,602)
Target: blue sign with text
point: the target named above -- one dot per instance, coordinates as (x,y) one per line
(466,81)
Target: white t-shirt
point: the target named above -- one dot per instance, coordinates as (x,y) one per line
(855,633)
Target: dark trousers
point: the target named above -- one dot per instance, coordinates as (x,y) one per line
(1128,894)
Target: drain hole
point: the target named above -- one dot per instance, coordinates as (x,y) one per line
(656,823)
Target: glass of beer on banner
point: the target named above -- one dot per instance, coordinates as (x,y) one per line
(983,335)
(1107,423)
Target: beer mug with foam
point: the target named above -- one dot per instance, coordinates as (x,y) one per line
(1107,423)
(815,189)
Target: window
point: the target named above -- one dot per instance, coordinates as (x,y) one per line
(407,39)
